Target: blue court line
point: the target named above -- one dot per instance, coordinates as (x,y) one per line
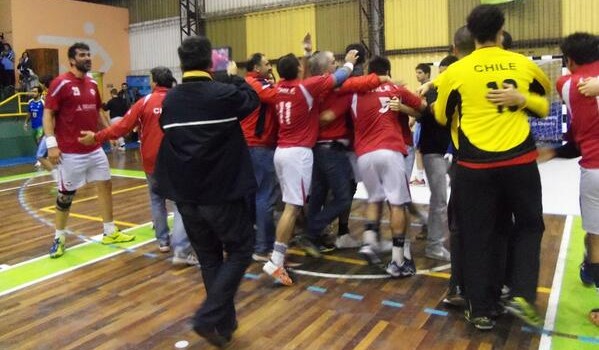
(251,276)
(428,310)
(317,289)
(392,303)
(353,296)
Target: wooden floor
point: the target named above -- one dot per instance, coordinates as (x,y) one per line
(132,301)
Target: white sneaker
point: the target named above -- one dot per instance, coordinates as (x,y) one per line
(190,260)
(438,254)
(346,241)
(369,253)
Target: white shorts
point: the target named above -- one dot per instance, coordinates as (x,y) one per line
(384,176)
(589,200)
(294,170)
(75,170)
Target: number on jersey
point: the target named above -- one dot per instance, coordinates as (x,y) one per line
(284,111)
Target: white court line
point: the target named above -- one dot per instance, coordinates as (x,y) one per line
(556,287)
(4,267)
(32,185)
(363,277)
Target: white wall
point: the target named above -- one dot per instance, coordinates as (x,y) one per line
(155,43)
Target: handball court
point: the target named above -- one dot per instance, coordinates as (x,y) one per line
(130,296)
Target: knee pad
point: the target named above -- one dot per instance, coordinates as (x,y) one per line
(64,200)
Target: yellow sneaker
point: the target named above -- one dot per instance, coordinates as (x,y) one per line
(57,249)
(117,237)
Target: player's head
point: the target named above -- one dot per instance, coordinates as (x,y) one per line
(79,57)
(379,65)
(195,53)
(423,72)
(289,67)
(162,76)
(36,91)
(259,64)
(580,48)
(463,42)
(446,62)
(362,54)
(485,23)
(322,62)
(114,92)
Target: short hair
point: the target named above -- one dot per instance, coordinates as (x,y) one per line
(114,91)
(288,67)
(484,22)
(38,88)
(361,52)
(255,60)
(424,67)
(319,63)
(162,76)
(582,48)
(463,41)
(379,65)
(448,60)
(195,53)
(507,40)
(77,46)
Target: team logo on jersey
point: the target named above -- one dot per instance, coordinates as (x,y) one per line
(76,91)
(92,91)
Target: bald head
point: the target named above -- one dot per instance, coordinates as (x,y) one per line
(463,42)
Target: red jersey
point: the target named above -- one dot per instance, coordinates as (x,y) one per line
(297,111)
(76,102)
(376,126)
(338,102)
(584,111)
(145,113)
(260,128)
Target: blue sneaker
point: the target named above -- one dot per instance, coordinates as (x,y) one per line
(57,249)
(585,276)
(406,269)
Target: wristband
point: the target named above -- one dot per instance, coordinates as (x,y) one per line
(349,65)
(51,142)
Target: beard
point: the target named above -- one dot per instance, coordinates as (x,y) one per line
(83,66)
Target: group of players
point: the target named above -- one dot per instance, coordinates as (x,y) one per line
(316,135)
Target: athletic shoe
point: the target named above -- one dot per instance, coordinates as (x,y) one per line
(522,309)
(261,257)
(454,297)
(346,241)
(277,272)
(368,252)
(483,323)
(585,276)
(306,244)
(406,269)
(438,254)
(164,247)
(189,260)
(57,249)
(117,237)
(326,247)
(418,182)
(212,336)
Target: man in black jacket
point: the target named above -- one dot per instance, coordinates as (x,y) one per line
(204,166)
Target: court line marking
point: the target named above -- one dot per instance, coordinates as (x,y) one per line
(91,218)
(556,288)
(32,185)
(128,189)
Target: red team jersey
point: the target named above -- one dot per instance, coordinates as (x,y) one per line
(584,111)
(145,113)
(267,95)
(76,103)
(297,112)
(376,126)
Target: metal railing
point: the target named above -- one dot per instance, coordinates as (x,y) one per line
(19,109)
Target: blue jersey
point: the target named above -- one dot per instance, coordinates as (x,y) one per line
(36,111)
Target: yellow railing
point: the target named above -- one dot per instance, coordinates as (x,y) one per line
(21,106)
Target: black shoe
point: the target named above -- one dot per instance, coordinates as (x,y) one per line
(212,336)
(454,297)
(308,246)
(483,323)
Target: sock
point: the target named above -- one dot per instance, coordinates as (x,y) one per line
(343,229)
(420,174)
(370,237)
(109,228)
(59,233)
(406,249)
(397,252)
(278,253)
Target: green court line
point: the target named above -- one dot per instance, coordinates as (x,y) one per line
(129,173)
(575,300)
(44,267)
(122,172)
(18,177)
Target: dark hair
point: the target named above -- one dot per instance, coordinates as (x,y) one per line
(114,91)
(288,67)
(582,48)
(162,76)
(424,67)
(484,22)
(77,46)
(379,65)
(463,41)
(507,40)
(195,53)
(38,88)
(361,52)
(448,60)
(255,60)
